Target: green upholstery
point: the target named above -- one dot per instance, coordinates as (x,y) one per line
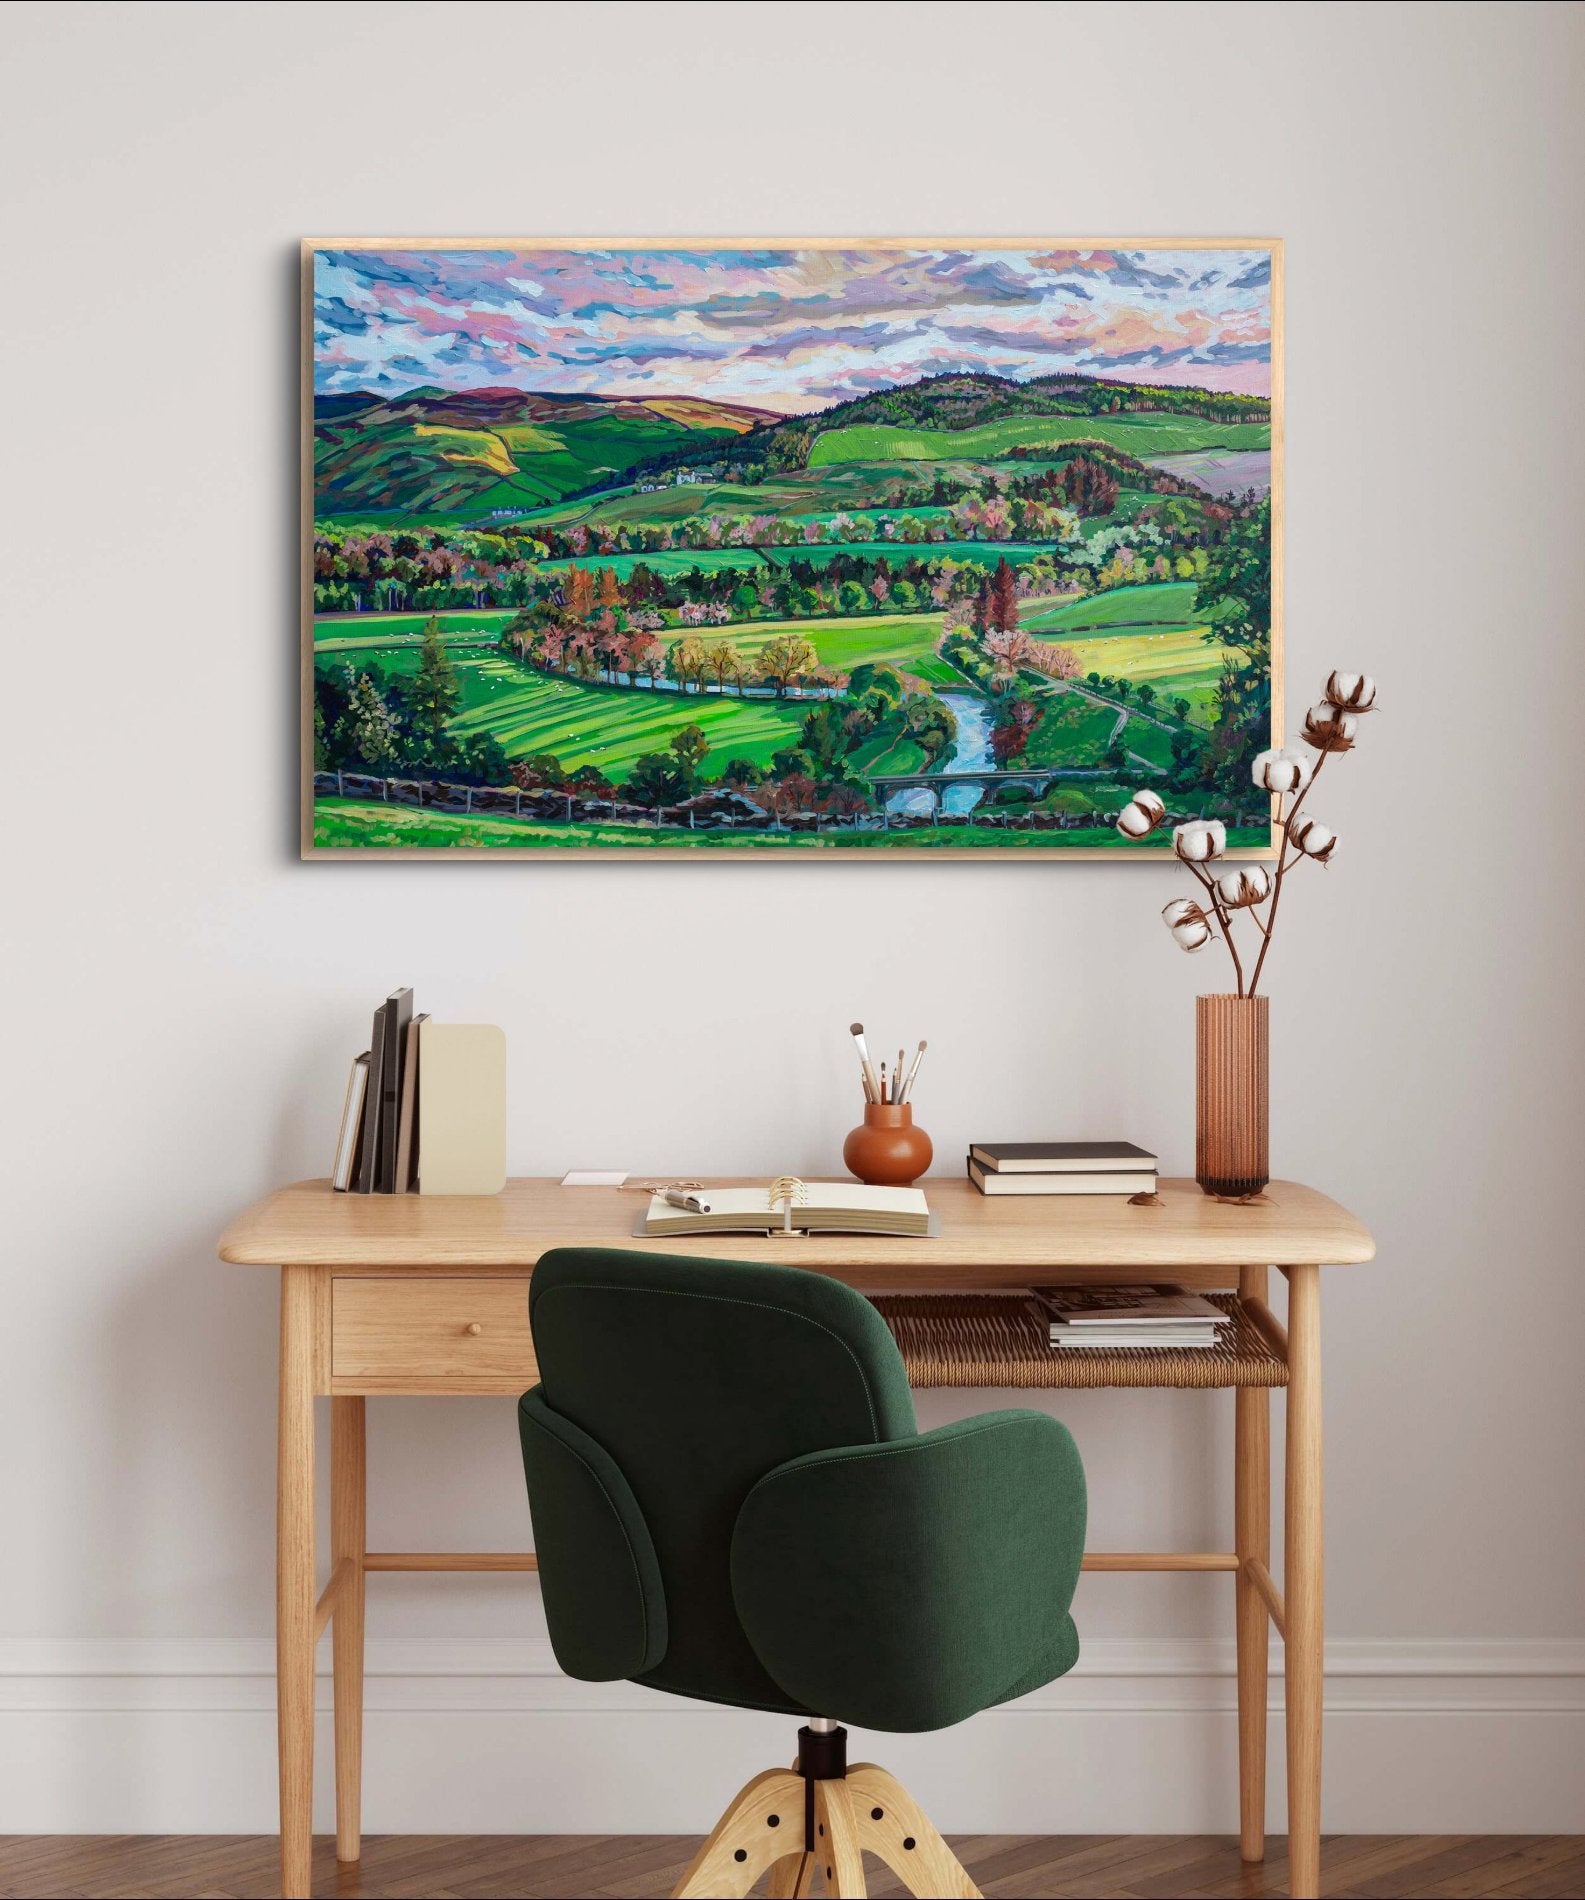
(960,1545)
(731,1500)
(602,1590)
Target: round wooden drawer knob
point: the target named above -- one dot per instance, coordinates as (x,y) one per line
(473,1329)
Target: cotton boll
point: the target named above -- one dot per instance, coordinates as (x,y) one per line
(1244,885)
(1314,839)
(1329,729)
(1200,840)
(1141,815)
(1350,692)
(1190,927)
(1283,769)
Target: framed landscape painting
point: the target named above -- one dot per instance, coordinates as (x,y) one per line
(787,546)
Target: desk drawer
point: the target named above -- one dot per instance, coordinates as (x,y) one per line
(432,1333)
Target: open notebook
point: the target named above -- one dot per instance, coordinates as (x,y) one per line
(799,1207)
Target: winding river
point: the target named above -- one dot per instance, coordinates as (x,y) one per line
(971,753)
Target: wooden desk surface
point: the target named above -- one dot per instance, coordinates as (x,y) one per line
(994,1241)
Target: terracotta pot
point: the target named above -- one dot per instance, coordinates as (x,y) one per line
(1231,1131)
(888,1151)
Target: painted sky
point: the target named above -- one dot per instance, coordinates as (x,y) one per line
(786,330)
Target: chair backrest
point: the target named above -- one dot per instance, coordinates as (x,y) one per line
(668,1388)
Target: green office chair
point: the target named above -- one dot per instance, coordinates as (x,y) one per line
(731,1501)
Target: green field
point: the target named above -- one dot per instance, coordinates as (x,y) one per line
(802,493)
(1140,634)
(610,727)
(666,561)
(1072,731)
(1141,434)
(340,633)
(1162,604)
(987,553)
(906,641)
(355,822)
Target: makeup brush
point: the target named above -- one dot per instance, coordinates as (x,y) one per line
(914,1070)
(872,1087)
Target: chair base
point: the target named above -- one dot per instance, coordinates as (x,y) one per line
(800,1820)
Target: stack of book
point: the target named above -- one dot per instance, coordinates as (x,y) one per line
(1103,1318)
(448,1137)
(1061,1167)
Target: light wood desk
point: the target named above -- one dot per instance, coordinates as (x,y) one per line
(402,1294)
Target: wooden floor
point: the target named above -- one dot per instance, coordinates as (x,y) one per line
(636,1866)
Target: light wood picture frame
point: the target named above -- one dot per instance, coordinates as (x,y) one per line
(788,547)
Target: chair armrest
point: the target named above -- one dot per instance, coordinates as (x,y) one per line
(599,1578)
(908,1585)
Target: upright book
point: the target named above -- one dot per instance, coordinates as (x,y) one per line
(398,1017)
(461,1108)
(369,1144)
(407,1112)
(345,1165)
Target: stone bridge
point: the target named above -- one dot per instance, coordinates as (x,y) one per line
(1039,779)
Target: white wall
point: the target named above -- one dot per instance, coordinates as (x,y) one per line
(182,995)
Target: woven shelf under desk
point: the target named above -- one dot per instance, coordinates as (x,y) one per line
(1001,1339)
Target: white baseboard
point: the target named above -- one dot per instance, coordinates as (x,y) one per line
(484,1735)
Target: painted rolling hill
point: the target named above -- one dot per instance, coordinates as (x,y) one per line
(481,452)
(474,451)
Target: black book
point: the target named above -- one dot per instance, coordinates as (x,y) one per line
(398,1018)
(1062,1157)
(369,1146)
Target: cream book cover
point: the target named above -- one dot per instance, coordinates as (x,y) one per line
(461,1108)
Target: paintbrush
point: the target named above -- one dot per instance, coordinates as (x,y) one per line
(914,1069)
(872,1088)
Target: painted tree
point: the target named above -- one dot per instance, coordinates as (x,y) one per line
(1003,614)
(1010,649)
(367,733)
(578,593)
(1090,487)
(686,660)
(608,641)
(722,659)
(435,691)
(688,747)
(787,658)
(1013,730)
(931,724)
(1234,595)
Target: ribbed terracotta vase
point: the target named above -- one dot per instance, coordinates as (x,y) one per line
(1231,1124)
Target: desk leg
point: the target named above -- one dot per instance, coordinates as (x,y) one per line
(1252,1539)
(1302,1582)
(348,1543)
(294,1580)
